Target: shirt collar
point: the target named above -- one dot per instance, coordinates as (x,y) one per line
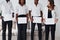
(21,6)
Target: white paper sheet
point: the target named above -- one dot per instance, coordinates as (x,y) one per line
(36,19)
(50,21)
(22,20)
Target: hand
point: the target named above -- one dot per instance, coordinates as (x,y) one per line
(0,17)
(16,19)
(56,20)
(31,19)
(43,19)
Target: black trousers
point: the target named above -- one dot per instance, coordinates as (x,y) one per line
(22,31)
(53,28)
(39,30)
(4,23)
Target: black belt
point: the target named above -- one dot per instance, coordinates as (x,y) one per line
(22,16)
(36,16)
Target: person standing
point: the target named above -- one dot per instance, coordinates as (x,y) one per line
(22,18)
(50,18)
(36,18)
(6,16)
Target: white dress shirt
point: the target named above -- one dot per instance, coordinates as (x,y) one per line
(7,10)
(35,10)
(21,10)
(55,15)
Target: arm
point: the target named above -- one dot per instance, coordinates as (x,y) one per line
(30,16)
(56,15)
(41,16)
(16,12)
(41,11)
(27,16)
(17,17)
(12,9)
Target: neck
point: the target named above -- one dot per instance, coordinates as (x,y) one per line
(22,4)
(36,4)
(7,1)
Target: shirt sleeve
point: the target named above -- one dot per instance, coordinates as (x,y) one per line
(56,13)
(27,10)
(16,9)
(44,12)
(30,8)
(11,7)
(41,7)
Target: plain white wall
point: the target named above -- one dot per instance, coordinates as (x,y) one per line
(57,2)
